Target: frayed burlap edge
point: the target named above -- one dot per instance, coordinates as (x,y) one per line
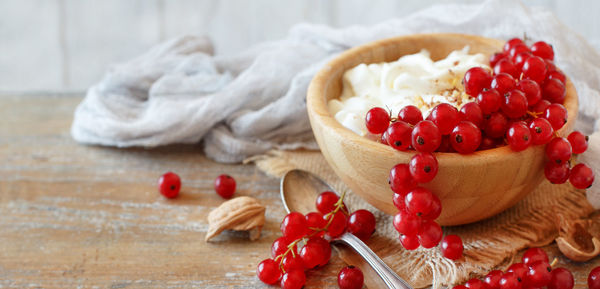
(489,244)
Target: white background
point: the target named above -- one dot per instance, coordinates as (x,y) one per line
(66,45)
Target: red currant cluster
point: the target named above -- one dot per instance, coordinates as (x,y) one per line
(304,243)
(519,104)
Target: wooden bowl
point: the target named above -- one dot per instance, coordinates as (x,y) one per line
(471,187)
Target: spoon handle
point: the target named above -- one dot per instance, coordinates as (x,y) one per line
(391,279)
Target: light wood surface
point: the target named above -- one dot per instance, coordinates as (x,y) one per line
(471,187)
(74,216)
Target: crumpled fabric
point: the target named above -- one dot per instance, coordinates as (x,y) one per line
(246,104)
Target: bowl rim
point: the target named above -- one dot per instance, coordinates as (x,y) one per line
(317,105)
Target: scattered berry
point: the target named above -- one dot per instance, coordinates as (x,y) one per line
(430,234)
(559,150)
(225,186)
(409,242)
(452,247)
(594,279)
(578,141)
(361,223)
(561,279)
(557,173)
(582,176)
(350,278)
(169,185)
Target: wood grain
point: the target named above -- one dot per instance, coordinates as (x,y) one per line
(74,216)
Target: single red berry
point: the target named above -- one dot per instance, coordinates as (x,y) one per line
(534,68)
(410,114)
(409,242)
(326,202)
(518,136)
(401,180)
(555,74)
(377,120)
(561,279)
(225,186)
(452,247)
(361,224)
(407,224)
(511,43)
(419,201)
(475,284)
(423,167)
(520,58)
(492,279)
(515,104)
(496,125)
(516,50)
(559,150)
(315,252)
(532,91)
(399,135)
(315,222)
(541,106)
(496,57)
(543,50)
(169,185)
(426,137)
(487,143)
(475,80)
(519,269)
(508,67)
(557,173)
(445,146)
(578,141)
(556,114)
(445,116)
(472,112)
(582,176)
(398,201)
(337,225)
(489,101)
(594,278)
(294,226)
(554,91)
(430,235)
(550,66)
(436,209)
(533,255)
(539,274)
(294,279)
(293,262)
(465,137)
(268,271)
(279,246)
(509,280)
(503,83)
(541,131)
(350,278)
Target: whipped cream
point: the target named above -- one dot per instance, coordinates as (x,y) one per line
(411,80)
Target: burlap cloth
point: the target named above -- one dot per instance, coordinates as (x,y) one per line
(489,244)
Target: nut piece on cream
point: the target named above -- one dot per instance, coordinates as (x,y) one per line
(411,80)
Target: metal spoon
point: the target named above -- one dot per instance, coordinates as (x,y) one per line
(299,190)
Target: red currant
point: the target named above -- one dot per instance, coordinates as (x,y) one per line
(594,278)
(496,125)
(557,173)
(509,280)
(472,112)
(475,284)
(492,279)
(452,247)
(508,67)
(445,146)
(409,242)
(533,255)
(556,114)
(555,74)
(423,167)
(487,143)
(377,120)
(541,131)
(465,137)
(582,176)
(268,271)
(511,43)
(534,68)
(543,50)
(280,245)
(561,279)
(225,186)
(326,202)
(407,224)
(436,209)
(337,225)
(361,224)
(401,181)
(294,226)
(489,101)
(518,136)
(503,83)
(398,200)
(532,91)
(292,262)
(496,57)
(169,185)
(445,117)
(520,58)
(315,252)
(559,150)
(419,201)
(316,222)
(350,278)
(294,279)
(426,137)
(475,80)
(399,135)
(515,104)
(410,114)
(384,138)
(516,50)
(541,106)
(578,141)
(519,269)
(554,90)
(538,274)
(430,234)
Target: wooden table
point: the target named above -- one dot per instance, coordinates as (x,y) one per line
(75,216)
